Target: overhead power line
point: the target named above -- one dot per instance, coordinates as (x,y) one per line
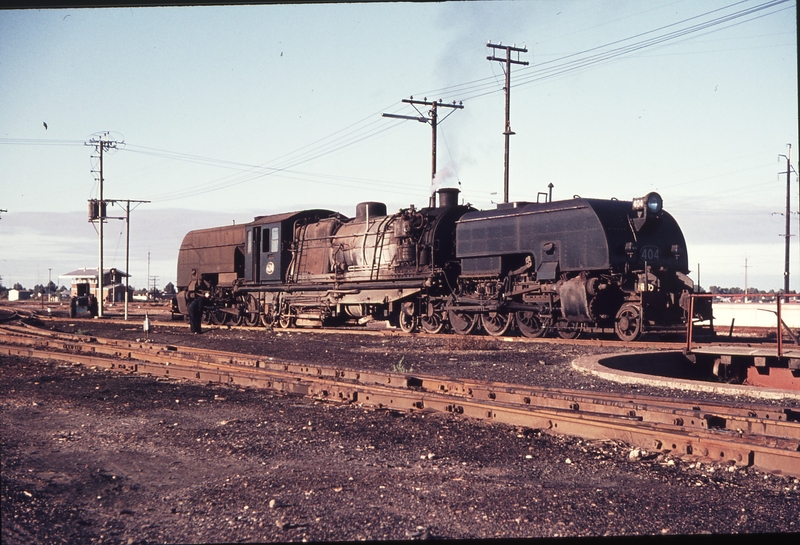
(585,59)
(605,52)
(367,127)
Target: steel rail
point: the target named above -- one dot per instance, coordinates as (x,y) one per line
(765,453)
(353,330)
(691,414)
(756,446)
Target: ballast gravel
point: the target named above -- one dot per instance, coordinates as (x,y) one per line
(96,456)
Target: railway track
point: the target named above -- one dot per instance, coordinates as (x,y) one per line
(765,437)
(361,330)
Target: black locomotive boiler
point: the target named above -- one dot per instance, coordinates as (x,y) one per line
(590,265)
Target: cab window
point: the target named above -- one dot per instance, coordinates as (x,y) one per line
(274,240)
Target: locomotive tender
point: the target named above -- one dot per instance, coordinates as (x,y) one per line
(567,266)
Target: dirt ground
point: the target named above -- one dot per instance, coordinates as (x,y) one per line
(95,456)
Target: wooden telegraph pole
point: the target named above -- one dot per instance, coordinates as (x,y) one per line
(433,120)
(100,144)
(508,132)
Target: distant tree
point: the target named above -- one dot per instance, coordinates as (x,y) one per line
(169,289)
(18,286)
(51,287)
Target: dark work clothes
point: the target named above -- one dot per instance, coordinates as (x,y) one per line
(196,314)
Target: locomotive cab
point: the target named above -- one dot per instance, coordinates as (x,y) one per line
(264,255)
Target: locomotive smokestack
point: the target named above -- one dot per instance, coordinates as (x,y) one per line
(448,196)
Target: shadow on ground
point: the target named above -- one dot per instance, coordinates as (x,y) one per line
(663,364)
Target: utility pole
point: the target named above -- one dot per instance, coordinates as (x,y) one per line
(101,144)
(127,219)
(508,132)
(745,279)
(433,120)
(788,213)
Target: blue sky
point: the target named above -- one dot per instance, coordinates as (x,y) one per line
(234,111)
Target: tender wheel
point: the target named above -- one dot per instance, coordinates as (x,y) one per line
(406,319)
(628,325)
(462,323)
(568,330)
(252,312)
(497,323)
(529,324)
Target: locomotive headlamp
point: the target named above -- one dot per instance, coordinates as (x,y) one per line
(648,206)
(652,203)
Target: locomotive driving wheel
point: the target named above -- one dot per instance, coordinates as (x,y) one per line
(433,320)
(219,317)
(497,323)
(628,325)
(568,330)
(529,324)
(432,324)
(462,323)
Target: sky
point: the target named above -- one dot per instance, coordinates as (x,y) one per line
(224,113)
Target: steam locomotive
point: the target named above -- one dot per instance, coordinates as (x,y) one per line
(566,267)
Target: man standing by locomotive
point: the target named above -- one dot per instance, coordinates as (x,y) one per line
(196,313)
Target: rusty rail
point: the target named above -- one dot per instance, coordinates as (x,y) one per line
(748,435)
